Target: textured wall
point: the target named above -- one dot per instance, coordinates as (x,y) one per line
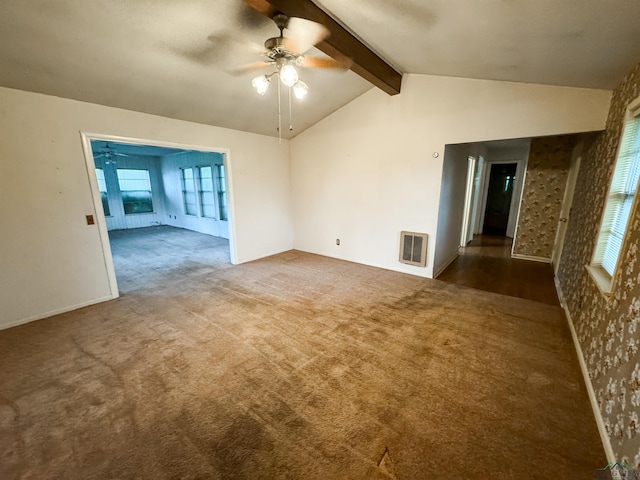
(542,196)
(608,328)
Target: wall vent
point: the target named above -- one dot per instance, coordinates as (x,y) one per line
(413,248)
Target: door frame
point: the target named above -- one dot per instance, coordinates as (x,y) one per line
(567,202)
(472,165)
(521,169)
(87,137)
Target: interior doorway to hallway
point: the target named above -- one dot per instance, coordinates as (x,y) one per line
(502,179)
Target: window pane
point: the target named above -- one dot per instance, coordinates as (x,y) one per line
(622,191)
(222,192)
(616,235)
(135,187)
(189,192)
(206,184)
(105,204)
(102,187)
(207,200)
(205,172)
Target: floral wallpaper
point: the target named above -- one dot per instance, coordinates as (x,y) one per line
(608,328)
(543,194)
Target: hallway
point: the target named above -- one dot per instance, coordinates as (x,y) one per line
(486,264)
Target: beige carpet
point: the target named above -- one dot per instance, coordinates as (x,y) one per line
(296,366)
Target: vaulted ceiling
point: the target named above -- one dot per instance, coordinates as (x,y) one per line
(154,56)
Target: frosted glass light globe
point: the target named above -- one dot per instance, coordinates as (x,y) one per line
(261,84)
(288,75)
(300,89)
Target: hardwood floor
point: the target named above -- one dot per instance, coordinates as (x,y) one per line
(486,264)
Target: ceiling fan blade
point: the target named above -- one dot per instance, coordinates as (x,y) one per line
(222,48)
(251,67)
(303,34)
(235,45)
(320,62)
(231,50)
(205,54)
(111,153)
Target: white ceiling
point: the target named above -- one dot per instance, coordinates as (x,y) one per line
(102,146)
(581,43)
(153,56)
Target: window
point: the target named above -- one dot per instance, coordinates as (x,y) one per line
(102,186)
(136,191)
(207,199)
(189,192)
(222,192)
(619,203)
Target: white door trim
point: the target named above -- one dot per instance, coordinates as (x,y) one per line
(468,200)
(567,202)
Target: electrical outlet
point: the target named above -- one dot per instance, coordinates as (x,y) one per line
(337,241)
(90,220)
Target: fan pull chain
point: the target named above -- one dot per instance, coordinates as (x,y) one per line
(290,116)
(279,115)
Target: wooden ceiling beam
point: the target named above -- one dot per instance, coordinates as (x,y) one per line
(340,43)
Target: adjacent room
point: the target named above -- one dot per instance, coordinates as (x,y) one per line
(154,200)
(319,239)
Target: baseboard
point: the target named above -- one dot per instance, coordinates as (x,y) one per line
(58,311)
(409,270)
(604,437)
(518,256)
(265,255)
(444,267)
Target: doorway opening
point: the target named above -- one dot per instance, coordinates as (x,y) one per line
(502,178)
(521,194)
(163,210)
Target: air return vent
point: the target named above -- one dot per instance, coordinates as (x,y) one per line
(413,248)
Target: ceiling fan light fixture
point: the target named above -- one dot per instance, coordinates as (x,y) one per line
(300,89)
(288,75)
(261,84)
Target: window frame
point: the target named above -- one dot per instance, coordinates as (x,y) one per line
(183,181)
(120,189)
(201,191)
(221,192)
(602,278)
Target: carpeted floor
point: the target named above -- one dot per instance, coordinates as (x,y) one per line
(296,366)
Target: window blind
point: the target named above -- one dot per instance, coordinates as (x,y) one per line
(620,200)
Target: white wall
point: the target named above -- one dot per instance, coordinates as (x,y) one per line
(367,172)
(50,259)
(451,205)
(174,202)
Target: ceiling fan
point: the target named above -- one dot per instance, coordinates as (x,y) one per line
(285,53)
(109,153)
